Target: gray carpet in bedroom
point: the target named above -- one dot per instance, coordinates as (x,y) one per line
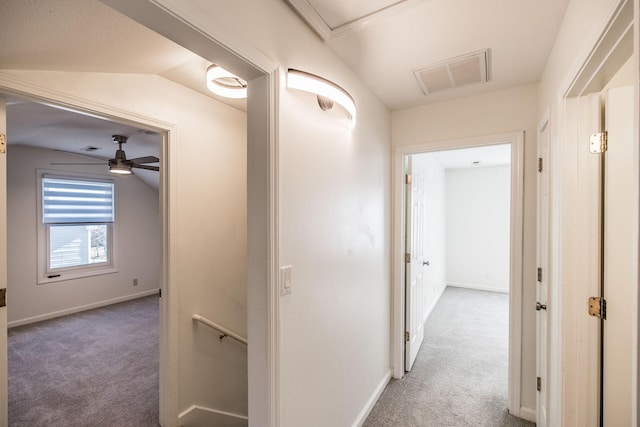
(95,368)
(460,375)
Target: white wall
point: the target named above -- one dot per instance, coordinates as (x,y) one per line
(137,238)
(435,224)
(486,114)
(334,195)
(478,219)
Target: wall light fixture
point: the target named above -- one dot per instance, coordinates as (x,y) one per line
(327,92)
(223,83)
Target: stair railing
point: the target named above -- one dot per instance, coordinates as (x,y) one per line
(224,332)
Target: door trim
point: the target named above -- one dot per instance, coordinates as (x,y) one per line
(601,56)
(542,261)
(516,139)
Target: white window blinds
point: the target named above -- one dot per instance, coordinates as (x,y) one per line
(66,201)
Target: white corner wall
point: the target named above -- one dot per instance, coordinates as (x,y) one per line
(137,238)
(487,114)
(478,206)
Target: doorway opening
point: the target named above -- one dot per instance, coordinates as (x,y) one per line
(47,143)
(505,276)
(213,42)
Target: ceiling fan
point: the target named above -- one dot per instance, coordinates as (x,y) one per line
(120,164)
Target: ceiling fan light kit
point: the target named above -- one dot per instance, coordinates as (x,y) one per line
(327,92)
(120,164)
(119,168)
(223,83)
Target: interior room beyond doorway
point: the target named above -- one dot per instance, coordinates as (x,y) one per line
(470,234)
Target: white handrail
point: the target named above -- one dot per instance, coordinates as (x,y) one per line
(225,332)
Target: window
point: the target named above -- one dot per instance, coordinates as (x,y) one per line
(77,220)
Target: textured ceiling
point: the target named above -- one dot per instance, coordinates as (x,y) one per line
(493,155)
(86,35)
(383,41)
(385,48)
(339,12)
(43,126)
(76,35)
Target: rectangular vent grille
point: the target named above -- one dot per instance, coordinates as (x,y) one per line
(456,72)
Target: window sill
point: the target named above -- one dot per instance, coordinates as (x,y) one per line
(77,274)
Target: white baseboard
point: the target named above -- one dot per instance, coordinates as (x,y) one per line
(78,309)
(476,287)
(528,414)
(202,416)
(372,400)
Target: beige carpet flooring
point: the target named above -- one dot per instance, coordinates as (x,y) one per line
(459,378)
(95,368)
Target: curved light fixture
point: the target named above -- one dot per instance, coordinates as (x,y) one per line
(327,91)
(223,83)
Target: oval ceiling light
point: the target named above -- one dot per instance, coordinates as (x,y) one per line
(324,89)
(223,83)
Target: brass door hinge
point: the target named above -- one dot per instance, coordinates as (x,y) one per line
(407,258)
(3,297)
(406,336)
(539,164)
(598,143)
(540,274)
(539,384)
(3,143)
(598,307)
(407,179)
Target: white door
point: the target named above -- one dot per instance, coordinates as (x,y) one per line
(414,274)
(541,292)
(3,265)
(620,256)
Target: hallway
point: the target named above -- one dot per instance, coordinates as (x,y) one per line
(460,375)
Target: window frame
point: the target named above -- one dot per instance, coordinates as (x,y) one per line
(45,273)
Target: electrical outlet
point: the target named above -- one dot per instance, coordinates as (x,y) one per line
(135,282)
(285,280)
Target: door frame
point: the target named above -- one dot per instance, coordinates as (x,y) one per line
(604,52)
(516,139)
(542,261)
(13,85)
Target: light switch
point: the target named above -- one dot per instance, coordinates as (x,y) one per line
(285,280)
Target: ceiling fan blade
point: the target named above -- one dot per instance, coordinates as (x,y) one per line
(151,168)
(147,159)
(81,155)
(66,164)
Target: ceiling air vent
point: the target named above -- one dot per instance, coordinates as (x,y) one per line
(456,72)
(90,148)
